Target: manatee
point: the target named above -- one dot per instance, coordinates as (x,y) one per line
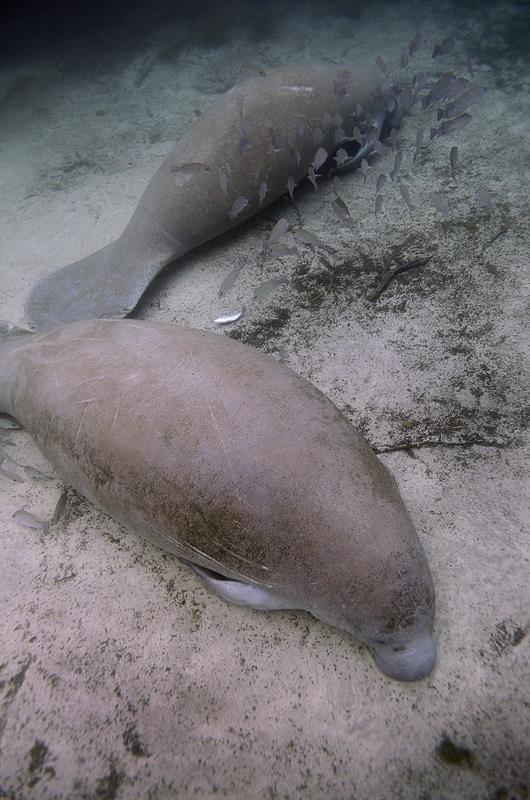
(235,464)
(256,143)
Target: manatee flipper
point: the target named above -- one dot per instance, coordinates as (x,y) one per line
(240,593)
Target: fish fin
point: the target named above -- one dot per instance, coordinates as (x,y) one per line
(241,593)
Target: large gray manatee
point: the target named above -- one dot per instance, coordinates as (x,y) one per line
(234,463)
(258,140)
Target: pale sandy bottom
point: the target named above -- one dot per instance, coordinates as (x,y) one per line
(121,676)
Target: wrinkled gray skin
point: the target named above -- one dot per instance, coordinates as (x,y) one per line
(180,210)
(237,465)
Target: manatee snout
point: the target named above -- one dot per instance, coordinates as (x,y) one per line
(407,662)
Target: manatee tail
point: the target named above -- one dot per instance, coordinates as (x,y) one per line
(105,285)
(88,289)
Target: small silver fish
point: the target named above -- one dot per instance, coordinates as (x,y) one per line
(453,159)
(279,249)
(278,232)
(291,185)
(11,474)
(378,203)
(319,158)
(393,138)
(415,43)
(456,88)
(60,507)
(381,64)
(306,237)
(438,202)
(265,288)
(419,141)
(317,135)
(341,210)
(192,168)
(239,205)
(484,198)
(339,136)
(312,176)
(445,47)
(405,194)
(30,520)
(262,192)
(231,278)
(240,100)
(228,318)
(357,135)
(35,474)
(327,119)
(381,180)
(341,156)
(300,128)
(397,165)
(378,148)
(451,124)
(463,101)
(223,181)
(364,169)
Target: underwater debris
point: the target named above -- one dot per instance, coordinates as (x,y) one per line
(28,519)
(392,274)
(226,319)
(231,278)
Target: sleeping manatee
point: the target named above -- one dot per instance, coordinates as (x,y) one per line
(235,464)
(255,144)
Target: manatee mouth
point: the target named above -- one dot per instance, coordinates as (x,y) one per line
(411,663)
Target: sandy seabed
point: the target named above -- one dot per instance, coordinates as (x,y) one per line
(122,676)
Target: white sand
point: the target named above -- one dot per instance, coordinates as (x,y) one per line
(121,676)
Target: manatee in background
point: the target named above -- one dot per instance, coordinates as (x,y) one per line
(234,463)
(262,137)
